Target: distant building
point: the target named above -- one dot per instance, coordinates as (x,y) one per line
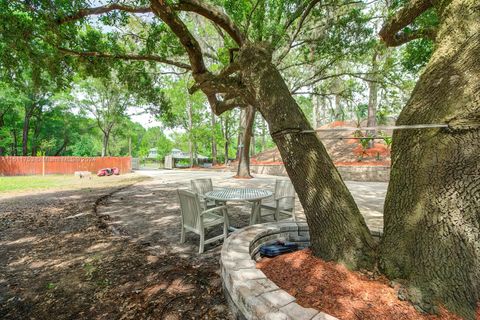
(152,153)
(178,154)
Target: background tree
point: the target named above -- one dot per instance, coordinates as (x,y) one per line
(107,102)
(189,112)
(245,134)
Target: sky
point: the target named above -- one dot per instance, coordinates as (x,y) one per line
(145,119)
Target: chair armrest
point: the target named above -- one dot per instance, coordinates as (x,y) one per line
(203,197)
(213,209)
(277,201)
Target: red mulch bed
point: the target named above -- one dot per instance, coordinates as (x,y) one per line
(332,288)
(378,148)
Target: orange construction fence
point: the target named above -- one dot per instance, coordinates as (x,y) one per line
(18,166)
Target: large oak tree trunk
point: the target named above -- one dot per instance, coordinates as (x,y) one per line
(432,212)
(243,169)
(338,230)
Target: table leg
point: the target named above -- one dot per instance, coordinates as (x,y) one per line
(224,203)
(254,215)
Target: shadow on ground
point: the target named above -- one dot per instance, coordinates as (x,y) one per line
(59,260)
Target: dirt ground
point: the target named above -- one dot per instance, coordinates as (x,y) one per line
(112,251)
(62,258)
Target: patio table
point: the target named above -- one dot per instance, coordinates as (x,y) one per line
(254,196)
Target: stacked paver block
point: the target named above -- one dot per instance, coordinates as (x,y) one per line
(250,294)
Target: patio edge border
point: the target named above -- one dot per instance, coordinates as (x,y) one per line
(250,294)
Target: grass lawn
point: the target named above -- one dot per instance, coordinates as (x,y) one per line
(61,182)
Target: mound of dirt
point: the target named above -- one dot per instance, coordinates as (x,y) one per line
(342,147)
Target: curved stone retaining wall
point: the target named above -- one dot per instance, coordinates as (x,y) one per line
(250,294)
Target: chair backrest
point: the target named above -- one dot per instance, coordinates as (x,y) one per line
(201,186)
(285,188)
(190,208)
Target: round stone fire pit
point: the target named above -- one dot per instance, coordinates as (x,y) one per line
(248,291)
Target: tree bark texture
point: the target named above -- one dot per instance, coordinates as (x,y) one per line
(432,210)
(338,230)
(243,169)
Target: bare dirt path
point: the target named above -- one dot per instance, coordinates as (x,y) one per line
(60,260)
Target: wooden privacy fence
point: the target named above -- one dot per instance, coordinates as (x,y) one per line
(18,166)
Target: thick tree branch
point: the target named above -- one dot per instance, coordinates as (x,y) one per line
(211,84)
(205,81)
(219,107)
(190,44)
(101,10)
(215,15)
(390,32)
(135,57)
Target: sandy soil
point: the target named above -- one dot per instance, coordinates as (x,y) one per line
(61,259)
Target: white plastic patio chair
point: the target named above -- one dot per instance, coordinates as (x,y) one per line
(200,187)
(196,220)
(284,201)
